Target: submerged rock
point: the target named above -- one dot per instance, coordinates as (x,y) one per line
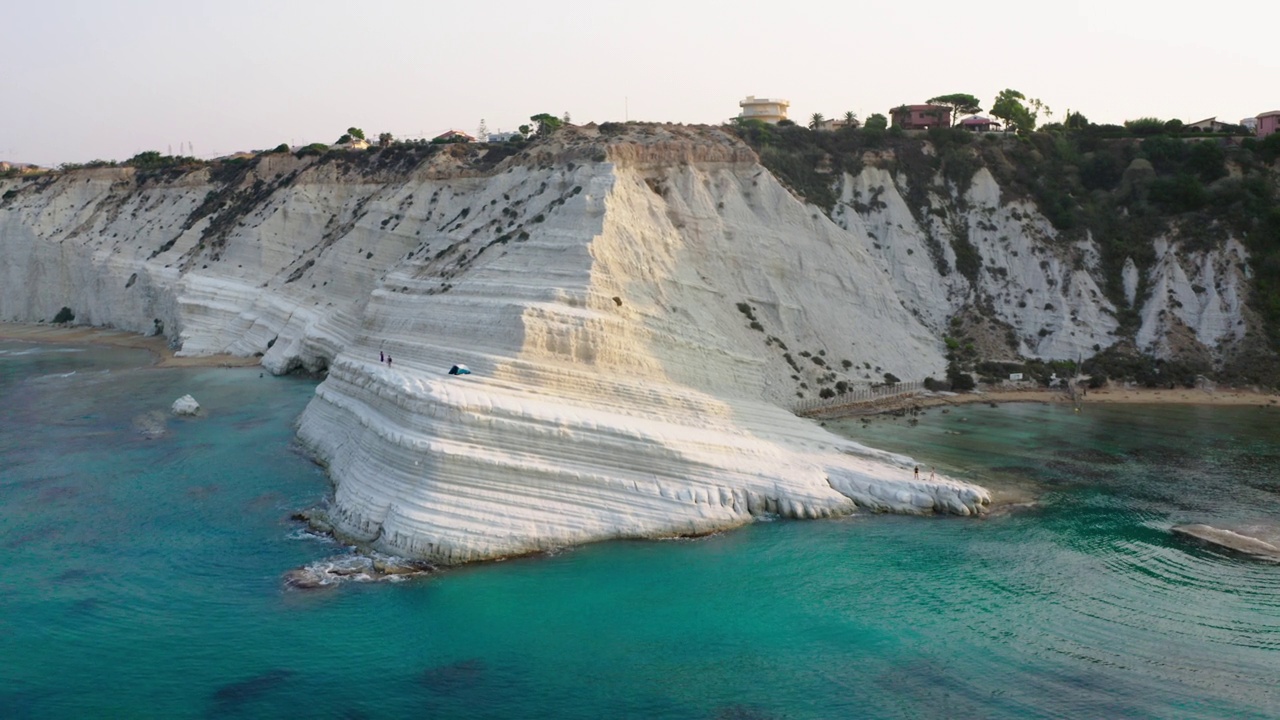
(151,425)
(454,677)
(186,405)
(1232,542)
(231,697)
(305,578)
(355,567)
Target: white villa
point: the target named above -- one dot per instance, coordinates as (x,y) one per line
(770,110)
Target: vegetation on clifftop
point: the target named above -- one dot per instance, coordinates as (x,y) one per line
(1123,186)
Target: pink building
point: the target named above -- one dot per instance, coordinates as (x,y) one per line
(1268,122)
(921,117)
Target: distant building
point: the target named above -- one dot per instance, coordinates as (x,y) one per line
(1268,122)
(354,143)
(498,137)
(770,110)
(977,123)
(836,124)
(1207,125)
(453,136)
(1250,124)
(921,117)
(23,168)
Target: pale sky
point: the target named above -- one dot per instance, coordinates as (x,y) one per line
(106,79)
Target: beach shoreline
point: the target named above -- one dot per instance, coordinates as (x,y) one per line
(163,356)
(1112,394)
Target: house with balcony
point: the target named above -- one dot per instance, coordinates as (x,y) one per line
(770,110)
(921,117)
(1268,123)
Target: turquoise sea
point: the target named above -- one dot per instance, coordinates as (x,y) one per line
(143,557)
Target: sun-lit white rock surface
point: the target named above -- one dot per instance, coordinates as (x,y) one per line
(185,405)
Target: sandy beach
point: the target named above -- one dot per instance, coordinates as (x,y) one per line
(1113,394)
(158,346)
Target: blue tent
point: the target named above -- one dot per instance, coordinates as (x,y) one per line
(459,370)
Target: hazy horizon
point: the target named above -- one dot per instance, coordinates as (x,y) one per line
(106,82)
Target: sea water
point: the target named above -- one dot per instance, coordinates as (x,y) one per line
(143,556)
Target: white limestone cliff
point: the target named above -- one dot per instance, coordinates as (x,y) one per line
(639,313)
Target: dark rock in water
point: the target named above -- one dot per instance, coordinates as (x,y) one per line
(1000,510)
(387,565)
(355,567)
(229,697)
(316,518)
(1229,541)
(70,575)
(451,678)
(1090,455)
(1074,472)
(305,579)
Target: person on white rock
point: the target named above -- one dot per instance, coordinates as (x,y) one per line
(917,472)
(381,357)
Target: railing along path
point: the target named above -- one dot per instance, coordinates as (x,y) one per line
(856,398)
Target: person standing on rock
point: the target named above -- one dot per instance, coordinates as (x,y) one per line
(917,472)
(381,357)
(388,361)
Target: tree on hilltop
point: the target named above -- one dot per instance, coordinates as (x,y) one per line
(1009,106)
(356,133)
(960,104)
(1041,108)
(851,119)
(816,120)
(547,123)
(877,121)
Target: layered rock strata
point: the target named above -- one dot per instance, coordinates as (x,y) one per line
(639,311)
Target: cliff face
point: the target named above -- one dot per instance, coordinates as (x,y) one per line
(1045,293)
(639,307)
(1061,245)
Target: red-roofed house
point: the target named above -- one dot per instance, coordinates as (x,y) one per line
(453,136)
(977,123)
(921,117)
